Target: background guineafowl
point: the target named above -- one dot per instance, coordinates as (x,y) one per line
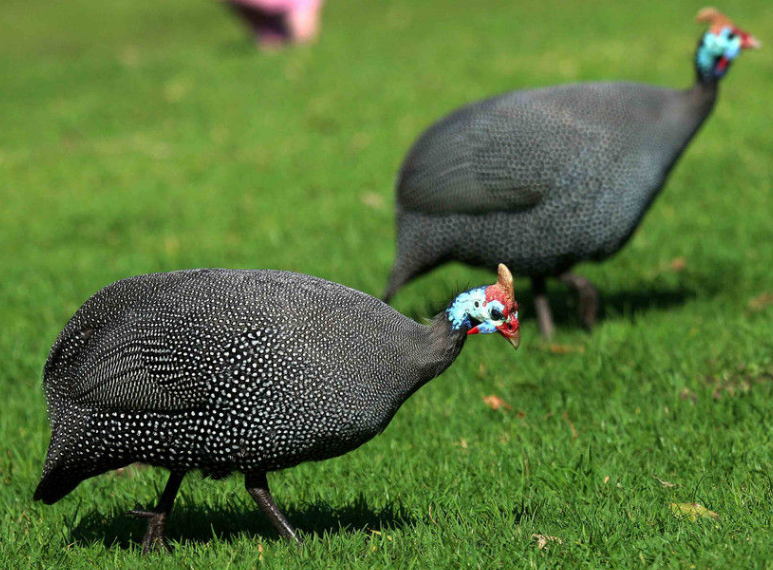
(546,178)
(248,371)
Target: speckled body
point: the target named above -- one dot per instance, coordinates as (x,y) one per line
(540,178)
(224,370)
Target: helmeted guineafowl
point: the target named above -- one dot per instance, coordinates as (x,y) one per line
(546,178)
(251,371)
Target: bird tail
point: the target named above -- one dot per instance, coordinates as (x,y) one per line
(62,472)
(405,270)
(416,251)
(57,481)
(71,458)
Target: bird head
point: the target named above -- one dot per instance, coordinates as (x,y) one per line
(720,44)
(485,310)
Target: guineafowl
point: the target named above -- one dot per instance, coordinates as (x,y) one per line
(546,178)
(251,371)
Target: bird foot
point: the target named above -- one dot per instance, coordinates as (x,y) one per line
(154,539)
(587,298)
(257,487)
(542,308)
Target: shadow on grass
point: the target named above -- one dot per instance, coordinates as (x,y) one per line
(633,303)
(613,306)
(194,524)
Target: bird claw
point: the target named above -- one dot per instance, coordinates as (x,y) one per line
(154,539)
(153,542)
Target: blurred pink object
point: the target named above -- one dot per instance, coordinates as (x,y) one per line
(276,22)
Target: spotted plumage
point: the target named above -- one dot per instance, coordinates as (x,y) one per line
(224,370)
(546,178)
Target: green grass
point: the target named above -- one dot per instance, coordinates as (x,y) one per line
(145,136)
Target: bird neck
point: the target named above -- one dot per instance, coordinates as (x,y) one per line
(702,96)
(442,344)
(429,350)
(707,81)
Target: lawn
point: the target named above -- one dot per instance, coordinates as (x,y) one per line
(146,136)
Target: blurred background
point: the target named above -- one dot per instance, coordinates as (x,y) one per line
(143,136)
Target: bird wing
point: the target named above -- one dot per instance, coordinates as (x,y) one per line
(510,152)
(139,362)
(148,342)
(169,342)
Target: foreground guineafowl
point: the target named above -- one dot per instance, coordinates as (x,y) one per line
(543,179)
(251,371)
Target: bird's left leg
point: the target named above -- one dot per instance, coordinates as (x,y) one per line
(154,537)
(587,296)
(257,487)
(542,307)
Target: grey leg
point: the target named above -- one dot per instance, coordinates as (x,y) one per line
(542,306)
(587,297)
(257,487)
(154,537)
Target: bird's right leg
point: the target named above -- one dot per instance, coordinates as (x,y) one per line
(587,296)
(257,487)
(154,537)
(542,306)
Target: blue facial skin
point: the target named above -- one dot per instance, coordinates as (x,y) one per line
(713,46)
(472,305)
(459,311)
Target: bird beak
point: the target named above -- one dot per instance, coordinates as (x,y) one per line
(748,41)
(511,330)
(514,339)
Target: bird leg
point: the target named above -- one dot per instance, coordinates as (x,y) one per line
(154,538)
(587,296)
(542,306)
(257,487)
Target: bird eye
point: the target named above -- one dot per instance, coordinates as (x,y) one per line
(496,315)
(731,36)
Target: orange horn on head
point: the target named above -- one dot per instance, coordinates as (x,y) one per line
(713,17)
(505,280)
(717,20)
